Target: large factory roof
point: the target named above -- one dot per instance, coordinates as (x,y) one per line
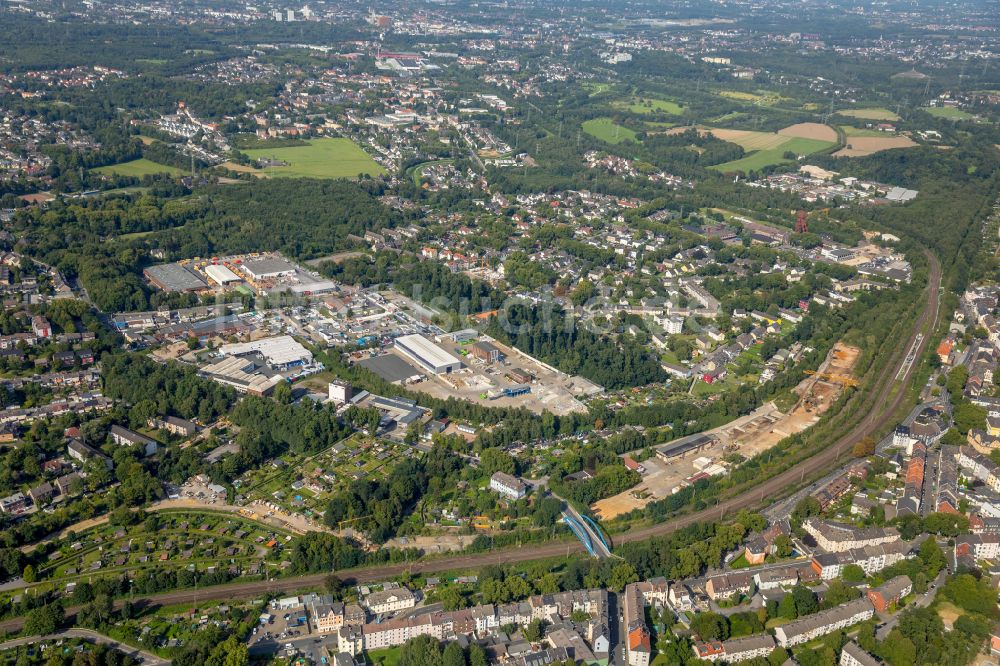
(268,267)
(278,350)
(426,351)
(174,277)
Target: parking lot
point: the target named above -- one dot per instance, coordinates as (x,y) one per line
(283,630)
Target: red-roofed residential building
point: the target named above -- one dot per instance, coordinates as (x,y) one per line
(709,650)
(633,465)
(944,349)
(638,646)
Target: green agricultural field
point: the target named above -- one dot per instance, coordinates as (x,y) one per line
(949,112)
(856,131)
(876,113)
(605,129)
(753,161)
(322,158)
(137,169)
(654,105)
(774,155)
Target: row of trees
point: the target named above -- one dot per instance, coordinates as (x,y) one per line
(317,552)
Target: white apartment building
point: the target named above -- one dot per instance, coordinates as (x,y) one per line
(813,626)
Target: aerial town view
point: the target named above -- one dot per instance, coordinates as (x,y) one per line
(500,333)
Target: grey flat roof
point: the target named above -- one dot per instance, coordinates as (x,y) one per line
(390,367)
(685,444)
(175,277)
(269,266)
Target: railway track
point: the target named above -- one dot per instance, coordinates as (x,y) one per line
(890,393)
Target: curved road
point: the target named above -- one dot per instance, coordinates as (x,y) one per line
(93,636)
(884,405)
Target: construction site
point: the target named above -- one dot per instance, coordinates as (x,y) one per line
(747,436)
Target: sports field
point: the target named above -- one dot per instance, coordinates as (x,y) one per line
(322,158)
(767,148)
(877,113)
(605,129)
(137,169)
(949,112)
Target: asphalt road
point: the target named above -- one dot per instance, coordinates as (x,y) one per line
(92,636)
(884,405)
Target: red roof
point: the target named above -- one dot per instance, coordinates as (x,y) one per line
(638,639)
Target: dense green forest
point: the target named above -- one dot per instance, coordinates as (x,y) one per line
(162,389)
(103,242)
(559,339)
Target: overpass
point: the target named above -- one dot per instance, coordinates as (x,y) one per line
(587,531)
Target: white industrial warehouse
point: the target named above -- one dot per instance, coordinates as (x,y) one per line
(268,267)
(430,357)
(221,275)
(281,351)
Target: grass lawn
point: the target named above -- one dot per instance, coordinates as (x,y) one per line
(875,113)
(668,356)
(726,117)
(605,129)
(322,158)
(137,168)
(740,562)
(596,88)
(948,112)
(654,105)
(386,657)
(654,125)
(856,131)
(704,389)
